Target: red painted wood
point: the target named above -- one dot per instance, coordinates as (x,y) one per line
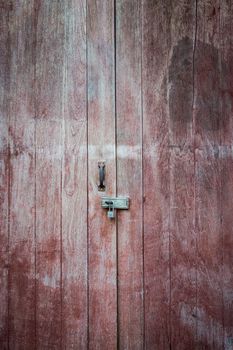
(129,174)
(101,146)
(4,174)
(155,26)
(154,100)
(182,209)
(4,171)
(208,181)
(49,149)
(74,181)
(227,278)
(226,161)
(21,287)
(48,232)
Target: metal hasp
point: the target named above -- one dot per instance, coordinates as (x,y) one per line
(112,203)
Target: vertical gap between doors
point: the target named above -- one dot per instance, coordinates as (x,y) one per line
(116,189)
(87,174)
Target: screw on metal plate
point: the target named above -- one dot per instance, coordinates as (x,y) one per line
(101,166)
(112,203)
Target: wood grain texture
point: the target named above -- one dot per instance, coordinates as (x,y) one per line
(227,278)
(207,168)
(74,180)
(22,173)
(226,161)
(155,26)
(182,216)
(147,87)
(49,151)
(129,174)
(4,173)
(48,232)
(101,146)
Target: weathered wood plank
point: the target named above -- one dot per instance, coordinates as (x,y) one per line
(226,215)
(22,175)
(4,172)
(74,180)
(207,178)
(129,174)
(156,173)
(4,300)
(4,118)
(49,150)
(48,231)
(101,146)
(226,158)
(4,208)
(182,217)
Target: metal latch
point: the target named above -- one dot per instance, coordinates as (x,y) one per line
(112,203)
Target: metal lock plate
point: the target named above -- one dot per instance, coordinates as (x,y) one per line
(112,203)
(116,202)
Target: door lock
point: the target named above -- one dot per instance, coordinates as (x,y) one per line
(111,210)
(112,203)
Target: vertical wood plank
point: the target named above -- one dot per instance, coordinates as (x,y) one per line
(129,174)
(226,158)
(101,146)
(4,172)
(49,114)
(22,175)
(74,192)
(227,278)
(4,207)
(48,250)
(207,140)
(156,173)
(182,217)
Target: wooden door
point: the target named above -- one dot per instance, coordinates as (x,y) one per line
(147,87)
